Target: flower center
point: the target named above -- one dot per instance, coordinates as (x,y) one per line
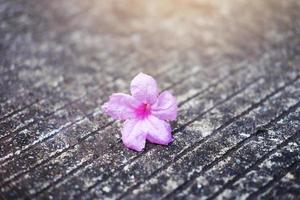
(143,110)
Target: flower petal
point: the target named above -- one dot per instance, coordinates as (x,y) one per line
(144,88)
(158,131)
(133,136)
(166,107)
(121,106)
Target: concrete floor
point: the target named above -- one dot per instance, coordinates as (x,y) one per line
(233,65)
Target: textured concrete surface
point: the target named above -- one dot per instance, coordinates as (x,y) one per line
(234,66)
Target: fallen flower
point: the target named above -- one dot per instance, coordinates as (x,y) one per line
(146,113)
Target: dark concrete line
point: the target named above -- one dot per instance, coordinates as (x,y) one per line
(174,132)
(182,127)
(203,91)
(195,145)
(36,88)
(4,137)
(16,176)
(55,155)
(19,110)
(69,102)
(5,159)
(189,182)
(134,157)
(257,104)
(275,179)
(255,164)
(214,84)
(18,130)
(181,80)
(210,86)
(15,112)
(57,110)
(73,171)
(28,90)
(63,151)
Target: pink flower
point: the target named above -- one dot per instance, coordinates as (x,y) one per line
(146,113)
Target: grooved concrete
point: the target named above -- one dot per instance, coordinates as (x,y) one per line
(234,66)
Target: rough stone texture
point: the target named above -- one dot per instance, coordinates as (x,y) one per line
(234,66)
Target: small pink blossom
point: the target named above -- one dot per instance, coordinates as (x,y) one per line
(146,113)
